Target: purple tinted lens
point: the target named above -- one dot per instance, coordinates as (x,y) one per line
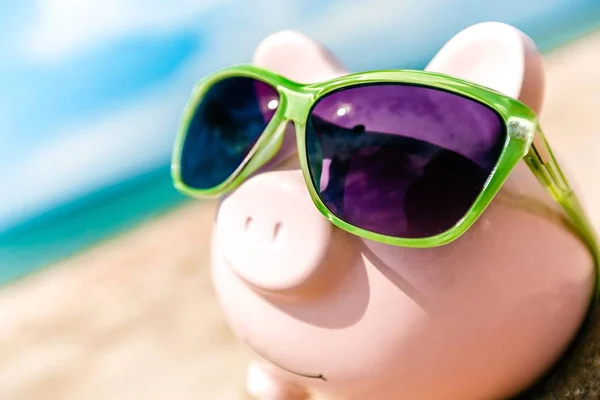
(401,160)
(225,126)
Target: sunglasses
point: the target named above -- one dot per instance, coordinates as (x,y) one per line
(407,158)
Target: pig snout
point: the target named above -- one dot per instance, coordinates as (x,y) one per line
(271,234)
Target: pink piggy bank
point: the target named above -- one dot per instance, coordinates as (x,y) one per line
(335,316)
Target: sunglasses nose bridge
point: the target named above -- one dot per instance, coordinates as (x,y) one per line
(297,104)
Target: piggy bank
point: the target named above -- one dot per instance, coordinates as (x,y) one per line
(336,316)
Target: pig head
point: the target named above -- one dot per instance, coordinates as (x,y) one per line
(330,313)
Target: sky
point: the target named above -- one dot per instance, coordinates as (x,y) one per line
(92,91)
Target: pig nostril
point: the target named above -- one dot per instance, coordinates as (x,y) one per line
(276,230)
(248,222)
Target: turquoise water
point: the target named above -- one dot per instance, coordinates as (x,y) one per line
(75,226)
(48,213)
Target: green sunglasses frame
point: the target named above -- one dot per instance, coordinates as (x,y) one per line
(524,140)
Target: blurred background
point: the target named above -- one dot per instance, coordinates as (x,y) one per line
(104,289)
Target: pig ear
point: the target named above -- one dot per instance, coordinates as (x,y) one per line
(298,57)
(498,56)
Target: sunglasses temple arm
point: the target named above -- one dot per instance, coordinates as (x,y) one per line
(543,164)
